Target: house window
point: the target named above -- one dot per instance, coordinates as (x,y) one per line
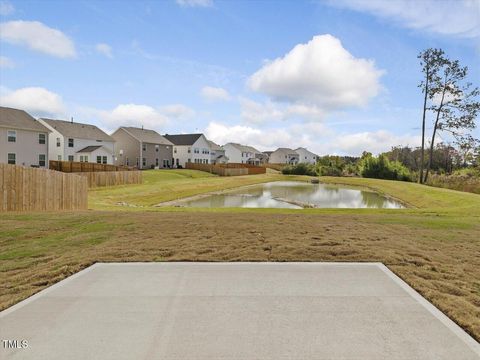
(58,142)
(59,157)
(41,138)
(70,142)
(104,159)
(196,151)
(70,157)
(83,158)
(156,162)
(156,148)
(144,162)
(12,159)
(189,150)
(175,150)
(42,159)
(144,147)
(12,136)
(99,159)
(189,160)
(127,162)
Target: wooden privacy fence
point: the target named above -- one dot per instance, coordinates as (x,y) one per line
(31,189)
(231,169)
(76,167)
(111,178)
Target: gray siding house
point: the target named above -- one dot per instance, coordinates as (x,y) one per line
(143,148)
(284,156)
(23,140)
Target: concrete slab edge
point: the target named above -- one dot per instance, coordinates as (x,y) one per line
(35,296)
(444,319)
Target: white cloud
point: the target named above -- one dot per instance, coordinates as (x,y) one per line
(38,37)
(321,73)
(210,93)
(6,62)
(257,113)
(177,111)
(374,142)
(195,3)
(6,8)
(104,49)
(458,17)
(132,115)
(37,101)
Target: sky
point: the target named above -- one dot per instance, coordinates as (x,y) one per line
(335,76)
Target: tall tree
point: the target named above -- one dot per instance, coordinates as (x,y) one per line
(431,61)
(454,104)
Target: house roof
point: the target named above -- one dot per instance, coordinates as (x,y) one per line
(19,119)
(244,148)
(146,135)
(286,151)
(214,146)
(268,153)
(306,150)
(89,149)
(78,130)
(183,139)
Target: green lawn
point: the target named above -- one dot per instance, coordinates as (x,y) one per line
(434,244)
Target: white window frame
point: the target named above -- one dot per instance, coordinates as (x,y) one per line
(14,158)
(12,134)
(44,160)
(44,139)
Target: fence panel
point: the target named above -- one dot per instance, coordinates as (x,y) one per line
(30,189)
(77,167)
(111,178)
(232,169)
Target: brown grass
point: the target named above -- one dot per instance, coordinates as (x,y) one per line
(440,261)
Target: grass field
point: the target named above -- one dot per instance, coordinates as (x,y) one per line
(433,245)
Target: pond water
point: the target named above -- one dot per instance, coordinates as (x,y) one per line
(293,195)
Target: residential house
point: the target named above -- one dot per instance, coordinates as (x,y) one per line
(262,158)
(306,156)
(73,141)
(284,156)
(187,148)
(143,148)
(217,154)
(23,140)
(243,154)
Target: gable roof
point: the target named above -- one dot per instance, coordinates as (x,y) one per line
(306,150)
(183,139)
(286,151)
(146,135)
(244,148)
(214,146)
(78,130)
(19,119)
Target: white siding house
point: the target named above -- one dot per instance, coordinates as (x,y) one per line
(72,141)
(305,156)
(193,148)
(242,154)
(217,154)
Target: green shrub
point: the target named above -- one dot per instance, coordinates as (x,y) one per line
(382,168)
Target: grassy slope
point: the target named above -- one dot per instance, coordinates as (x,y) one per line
(434,245)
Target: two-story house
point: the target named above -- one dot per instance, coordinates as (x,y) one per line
(284,156)
(306,156)
(143,148)
(217,154)
(73,141)
(23,140)
(187,148)
(242,154)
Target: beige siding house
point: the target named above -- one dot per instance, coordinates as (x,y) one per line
(23,140)
(284,156)
(74,141)
(243,154)
(143,148)
(306,156)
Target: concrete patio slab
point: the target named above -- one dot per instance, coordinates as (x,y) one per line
(231,311)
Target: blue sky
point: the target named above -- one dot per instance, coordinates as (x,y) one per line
(334,76)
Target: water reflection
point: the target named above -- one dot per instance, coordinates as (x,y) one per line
(295,195)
